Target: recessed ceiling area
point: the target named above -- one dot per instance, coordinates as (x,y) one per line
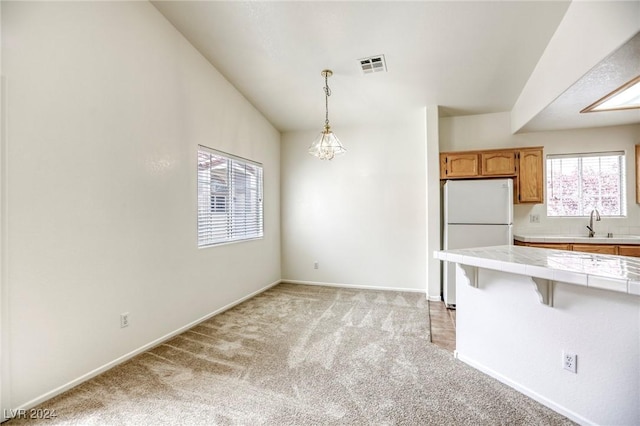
(466,57)
(612,72)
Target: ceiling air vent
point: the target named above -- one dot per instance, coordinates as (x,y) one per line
(373,64)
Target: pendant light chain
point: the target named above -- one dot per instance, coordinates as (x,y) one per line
(327,93)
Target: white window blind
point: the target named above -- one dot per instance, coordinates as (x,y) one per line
(229,198)
(579,183)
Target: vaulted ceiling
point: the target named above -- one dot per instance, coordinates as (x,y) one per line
(467,57)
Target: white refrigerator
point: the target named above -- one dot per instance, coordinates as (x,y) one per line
(477,213)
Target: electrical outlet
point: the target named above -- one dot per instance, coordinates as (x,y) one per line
(316,265)
(570,362)
(124,320)
(534,218)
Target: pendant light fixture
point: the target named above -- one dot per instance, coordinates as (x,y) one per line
(326,146)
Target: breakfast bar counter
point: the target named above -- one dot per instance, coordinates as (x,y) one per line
(609,272)
(520,309)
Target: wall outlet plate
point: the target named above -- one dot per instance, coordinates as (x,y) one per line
(534,218)
(124,320)
(570,362)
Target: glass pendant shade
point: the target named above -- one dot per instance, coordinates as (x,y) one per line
(326,146)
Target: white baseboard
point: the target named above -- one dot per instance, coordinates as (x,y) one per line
(364,287)
(525,390)
(434,298)
(36,401)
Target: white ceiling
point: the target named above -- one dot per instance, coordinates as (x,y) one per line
(468,57)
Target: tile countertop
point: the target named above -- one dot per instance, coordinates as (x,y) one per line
(609,272)
(579,239)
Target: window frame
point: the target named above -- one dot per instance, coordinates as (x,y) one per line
(253,190)
(622,178)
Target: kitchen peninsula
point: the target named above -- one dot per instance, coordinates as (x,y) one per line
(520,308)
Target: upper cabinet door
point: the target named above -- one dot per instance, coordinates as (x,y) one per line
(459,165)
(530,176)
(638,174)
(498,163)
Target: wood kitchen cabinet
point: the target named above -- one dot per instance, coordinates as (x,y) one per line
(621,250)
(530,182)
(555,246)
(629,251)
(524,165)
(596,248)
(638,174)
(498,163)
(459,165)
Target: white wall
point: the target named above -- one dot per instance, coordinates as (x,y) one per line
(503,330)
(107,103)
(362,216)
(493,131)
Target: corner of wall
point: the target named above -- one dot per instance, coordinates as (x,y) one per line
(432,151)
(5,401)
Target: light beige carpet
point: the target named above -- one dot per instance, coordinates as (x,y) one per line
(301,355)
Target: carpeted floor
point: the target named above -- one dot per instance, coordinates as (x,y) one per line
(301,355)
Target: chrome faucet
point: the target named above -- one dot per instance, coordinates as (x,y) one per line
(590,225)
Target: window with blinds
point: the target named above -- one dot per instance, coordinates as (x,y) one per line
(229,198)
(579,183)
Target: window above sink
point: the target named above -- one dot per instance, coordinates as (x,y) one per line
(579,183)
